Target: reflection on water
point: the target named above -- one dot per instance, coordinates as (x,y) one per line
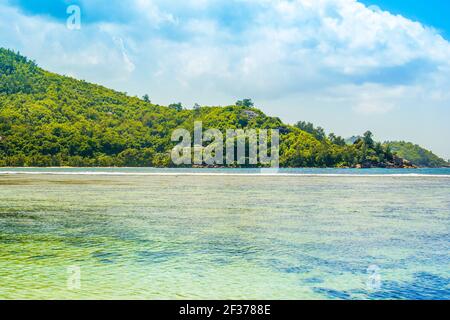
(178,237)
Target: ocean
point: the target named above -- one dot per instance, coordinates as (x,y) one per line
(129,233)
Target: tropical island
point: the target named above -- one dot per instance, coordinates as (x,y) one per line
(48,119)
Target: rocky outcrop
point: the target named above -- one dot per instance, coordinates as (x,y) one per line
(396,163)
(250,114)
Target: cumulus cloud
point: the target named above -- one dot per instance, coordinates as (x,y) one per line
(281,47)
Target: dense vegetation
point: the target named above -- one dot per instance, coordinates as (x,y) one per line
(416,154)
(52,120)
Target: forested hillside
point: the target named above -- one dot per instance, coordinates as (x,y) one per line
(416,154)
(52,120)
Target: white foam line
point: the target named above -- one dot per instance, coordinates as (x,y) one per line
(102,173)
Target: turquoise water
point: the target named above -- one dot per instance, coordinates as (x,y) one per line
(282,171)
(241,236)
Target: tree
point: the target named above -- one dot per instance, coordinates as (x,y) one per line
(318,133)
(146,98)
(337,140)
(176,106)
(368,139)
(248,103)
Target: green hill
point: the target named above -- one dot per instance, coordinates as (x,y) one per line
(416,154)
(52,120)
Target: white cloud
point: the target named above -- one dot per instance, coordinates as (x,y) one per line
(372,108)
(287,46)
(150,10)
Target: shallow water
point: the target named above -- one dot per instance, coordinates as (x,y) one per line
(226,171)
(224,237)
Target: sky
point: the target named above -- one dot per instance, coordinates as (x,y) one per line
(346,65)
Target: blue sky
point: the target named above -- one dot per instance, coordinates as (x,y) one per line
(348,66)
(434,13)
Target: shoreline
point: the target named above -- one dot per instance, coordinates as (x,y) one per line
(232,168)
(223,174)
